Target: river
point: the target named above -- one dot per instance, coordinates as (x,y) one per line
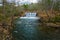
(29,29)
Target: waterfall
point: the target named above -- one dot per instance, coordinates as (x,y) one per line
(29,14)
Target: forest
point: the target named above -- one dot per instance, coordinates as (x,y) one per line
(47,10)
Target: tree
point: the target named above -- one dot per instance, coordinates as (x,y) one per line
(25,7)
(57,5)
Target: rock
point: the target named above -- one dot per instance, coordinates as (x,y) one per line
(52,25)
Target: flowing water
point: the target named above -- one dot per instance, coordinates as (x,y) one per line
(27,29)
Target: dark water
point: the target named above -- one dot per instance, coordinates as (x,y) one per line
(28,29)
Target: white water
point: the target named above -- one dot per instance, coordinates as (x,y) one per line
(29,15)
(29,18)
